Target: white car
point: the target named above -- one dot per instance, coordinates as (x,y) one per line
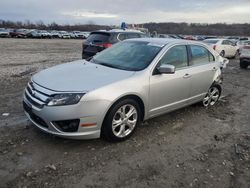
(224,47)
(4,33)
(64,35)
(245,54)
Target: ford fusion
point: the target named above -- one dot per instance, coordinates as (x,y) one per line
(111,94)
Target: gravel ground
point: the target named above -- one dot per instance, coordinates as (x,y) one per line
(191,147)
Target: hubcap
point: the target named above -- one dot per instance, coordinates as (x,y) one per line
(222,54)
(124,120)
(212,97)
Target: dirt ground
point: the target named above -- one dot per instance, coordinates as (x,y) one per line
(191,147)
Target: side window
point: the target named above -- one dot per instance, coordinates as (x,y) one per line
(200,55)
(225,42)
(230,43)
(176,56)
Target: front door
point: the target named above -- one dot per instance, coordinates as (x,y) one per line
(170,91)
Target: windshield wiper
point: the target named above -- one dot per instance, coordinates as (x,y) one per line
(107,65)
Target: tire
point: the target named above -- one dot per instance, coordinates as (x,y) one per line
(212,96)
(222,53)
(116,126)
(243,65)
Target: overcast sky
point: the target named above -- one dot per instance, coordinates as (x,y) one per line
(130,11)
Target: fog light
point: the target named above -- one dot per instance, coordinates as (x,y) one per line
(67,125)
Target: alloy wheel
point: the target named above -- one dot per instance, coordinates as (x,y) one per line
(211,97)
(124,120)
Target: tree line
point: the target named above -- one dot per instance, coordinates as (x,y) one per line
(218,29)
(51,26)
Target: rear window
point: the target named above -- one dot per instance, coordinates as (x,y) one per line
(98,37)
(200,55)
(211,41)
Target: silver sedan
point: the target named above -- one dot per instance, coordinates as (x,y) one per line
(111,94)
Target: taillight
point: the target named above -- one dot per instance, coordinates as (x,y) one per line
(105,45)
(214,47)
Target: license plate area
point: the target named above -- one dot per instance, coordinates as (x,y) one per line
(27,107)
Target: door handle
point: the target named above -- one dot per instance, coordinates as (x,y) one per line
(187,76)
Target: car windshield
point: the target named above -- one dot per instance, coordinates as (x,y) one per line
(128,55)
(211,41)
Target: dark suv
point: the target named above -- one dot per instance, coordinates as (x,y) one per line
(100,40)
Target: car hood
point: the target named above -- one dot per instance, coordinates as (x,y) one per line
(79,76)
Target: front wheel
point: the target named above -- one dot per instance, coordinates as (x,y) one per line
(212,96)
(222,53)
(121,120)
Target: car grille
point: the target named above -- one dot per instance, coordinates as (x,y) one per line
(34,117)
(35,96)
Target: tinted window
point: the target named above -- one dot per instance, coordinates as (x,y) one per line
(225,42)
(98,37)
(200,55)
(176,56)
(128,55)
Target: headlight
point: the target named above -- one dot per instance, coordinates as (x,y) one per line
(65,99)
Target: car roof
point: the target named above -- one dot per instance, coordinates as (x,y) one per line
(118,31)
(165,41)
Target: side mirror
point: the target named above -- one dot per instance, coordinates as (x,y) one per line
(166,69)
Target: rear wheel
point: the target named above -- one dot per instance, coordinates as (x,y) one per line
(212,96)
(121,120)
(243,65)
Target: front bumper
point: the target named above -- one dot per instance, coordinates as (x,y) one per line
(245,59)
(88,112)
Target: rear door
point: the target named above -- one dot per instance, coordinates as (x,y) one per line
(233,48)
(170,91)
(203,68)
(227,48)
(95,43)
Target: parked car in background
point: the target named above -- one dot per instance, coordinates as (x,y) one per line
(245,54)
(55,34)
(190,37)
(33,34)
(100,40)
(18,33)
(4,32)
(122,86)
(224,47)
(44,34)
(77,35)
(86,34)
(64,35)
(169,36)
